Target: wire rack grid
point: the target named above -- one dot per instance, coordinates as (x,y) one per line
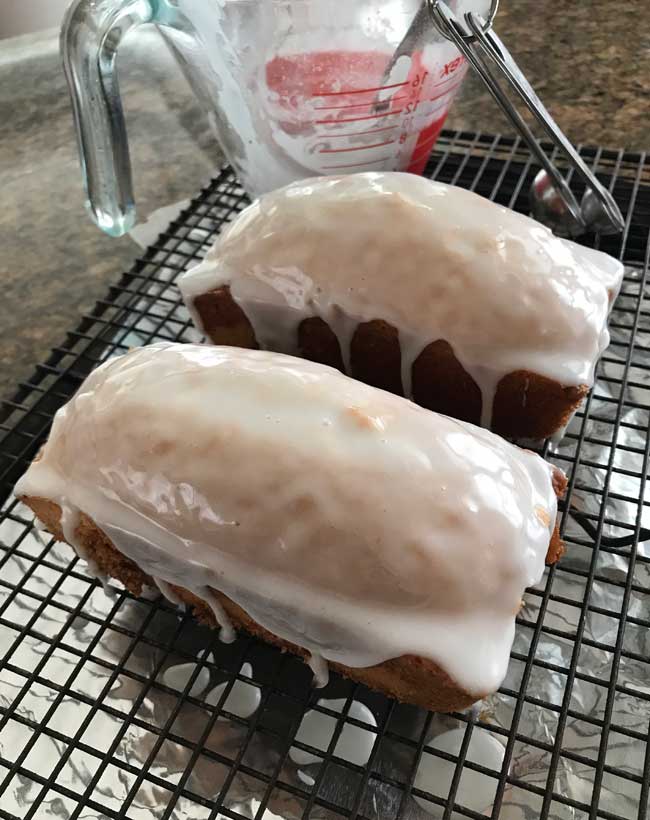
(104,703)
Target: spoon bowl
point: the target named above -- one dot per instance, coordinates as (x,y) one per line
(598,212)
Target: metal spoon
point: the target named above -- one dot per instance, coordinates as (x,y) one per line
(549,207)
(552,201)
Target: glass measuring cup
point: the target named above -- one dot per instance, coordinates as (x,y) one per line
(293,88)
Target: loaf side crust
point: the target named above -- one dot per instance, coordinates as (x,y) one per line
(526,404)
(410,679)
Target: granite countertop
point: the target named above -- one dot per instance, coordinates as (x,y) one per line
(589,61)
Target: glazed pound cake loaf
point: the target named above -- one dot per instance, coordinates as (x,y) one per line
(336,520)
(417,287)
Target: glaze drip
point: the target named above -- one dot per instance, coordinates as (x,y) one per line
(168,592)
(70,520)
(319,667)
(227,633)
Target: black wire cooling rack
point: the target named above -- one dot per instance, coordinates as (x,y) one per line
(103,707)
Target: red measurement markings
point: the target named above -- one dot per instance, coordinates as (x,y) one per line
(358,105)
(416,82)
(361,90)
(355,148)
(348,135)
(359,164)
(450,67)
(444,83)
(425,143)
(452,87)
(359,119)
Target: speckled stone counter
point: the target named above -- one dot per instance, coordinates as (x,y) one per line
(589,61)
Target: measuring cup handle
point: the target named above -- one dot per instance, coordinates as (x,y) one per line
(90,37)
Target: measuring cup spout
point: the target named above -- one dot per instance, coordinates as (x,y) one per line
(90,37)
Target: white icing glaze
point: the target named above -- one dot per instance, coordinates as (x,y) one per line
(435,261)
(342,518)
(227,633)
(109,591)
(177,677)
(557,437)
(70,520)
(317,729)
(242,700)
(168,592)
(307,779)
(319,667)
(475,791)
(39,526)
